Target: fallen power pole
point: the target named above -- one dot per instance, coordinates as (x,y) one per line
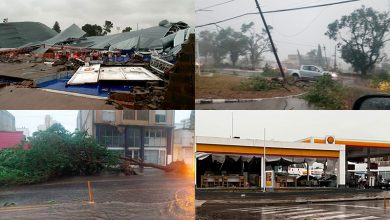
(270,39)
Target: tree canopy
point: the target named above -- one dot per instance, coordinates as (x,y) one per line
(56,27)
(361,37)
(55,152)
(108,25)
(92,30)
(256,43)
(127,29)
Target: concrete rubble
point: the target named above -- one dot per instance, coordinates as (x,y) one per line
(157,71)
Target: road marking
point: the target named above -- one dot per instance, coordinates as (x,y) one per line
(314,215)
(199,203)
(303,212)
(367,218)
(261,208)
(276,212)
(355,206)
(338,216)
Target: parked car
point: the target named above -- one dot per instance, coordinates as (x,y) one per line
(309,71)
(384,183)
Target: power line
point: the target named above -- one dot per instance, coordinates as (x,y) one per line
(276,11)
(212,6)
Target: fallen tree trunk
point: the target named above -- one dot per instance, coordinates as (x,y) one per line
(177,166)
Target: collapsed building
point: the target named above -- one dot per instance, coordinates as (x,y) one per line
(135,64)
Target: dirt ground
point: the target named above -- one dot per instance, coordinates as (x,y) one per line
(153,195)
(226,87)
(31,71)
(12,98)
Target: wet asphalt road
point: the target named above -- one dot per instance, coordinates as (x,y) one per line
(154,195)
(362,210)
(265,104)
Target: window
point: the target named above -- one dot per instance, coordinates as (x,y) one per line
(151,156)
(133,136)
(109,136)
(155,137)
(108,115)
(161,116)
(143,115)
(128,115)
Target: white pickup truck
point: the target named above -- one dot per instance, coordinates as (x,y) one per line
(309,71)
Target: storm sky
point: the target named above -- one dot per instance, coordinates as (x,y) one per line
(302,29)
(294,125)
(122,13)
(32,119)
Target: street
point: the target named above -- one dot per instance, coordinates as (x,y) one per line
(363,210)
(153,195)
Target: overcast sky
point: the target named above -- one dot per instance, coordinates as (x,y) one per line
(32,119)
(302,29)
(294,125)
(122,13)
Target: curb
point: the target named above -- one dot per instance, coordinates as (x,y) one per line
(289,202)
(216,101)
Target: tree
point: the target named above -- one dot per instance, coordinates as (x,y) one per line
(192,120)
(257,43)
(127,29)
(208,46)
(56,27)
(92,30)
(319,59)
(108,25)
(232,42)
(361,36)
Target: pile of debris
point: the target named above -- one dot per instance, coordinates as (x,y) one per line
(175,167)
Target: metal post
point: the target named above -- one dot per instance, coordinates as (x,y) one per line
(90,192)
(264,179)
(270,39)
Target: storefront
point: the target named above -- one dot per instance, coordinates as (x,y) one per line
(251,163)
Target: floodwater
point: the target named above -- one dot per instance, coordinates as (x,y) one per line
(153,195)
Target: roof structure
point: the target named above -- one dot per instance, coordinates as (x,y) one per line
(16,34)
(10,139)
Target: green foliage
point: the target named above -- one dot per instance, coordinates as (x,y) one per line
(108,25)
(92,30)
(232,42)
(379,77)
(256,43)
(56,27)
(361,36)
(127,29)
(268,71)
(256,83)
(326,93)
(55,152)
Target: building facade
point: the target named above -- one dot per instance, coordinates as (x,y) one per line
(139,134)
(7,121)
(183,149)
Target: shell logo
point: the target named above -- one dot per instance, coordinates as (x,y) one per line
(330,140)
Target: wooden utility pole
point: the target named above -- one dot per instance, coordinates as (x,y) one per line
(270,39)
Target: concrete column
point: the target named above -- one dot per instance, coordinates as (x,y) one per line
(341,168)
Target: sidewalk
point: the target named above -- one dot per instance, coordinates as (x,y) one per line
(284,198)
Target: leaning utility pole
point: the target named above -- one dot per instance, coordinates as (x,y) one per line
(270,39)
(326,59)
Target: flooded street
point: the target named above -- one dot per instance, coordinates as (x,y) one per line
(153,195)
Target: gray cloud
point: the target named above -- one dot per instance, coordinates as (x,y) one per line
(122,13)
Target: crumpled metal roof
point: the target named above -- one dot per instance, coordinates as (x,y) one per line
(71,32)
(16,34)
(149,38)
(126,45)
